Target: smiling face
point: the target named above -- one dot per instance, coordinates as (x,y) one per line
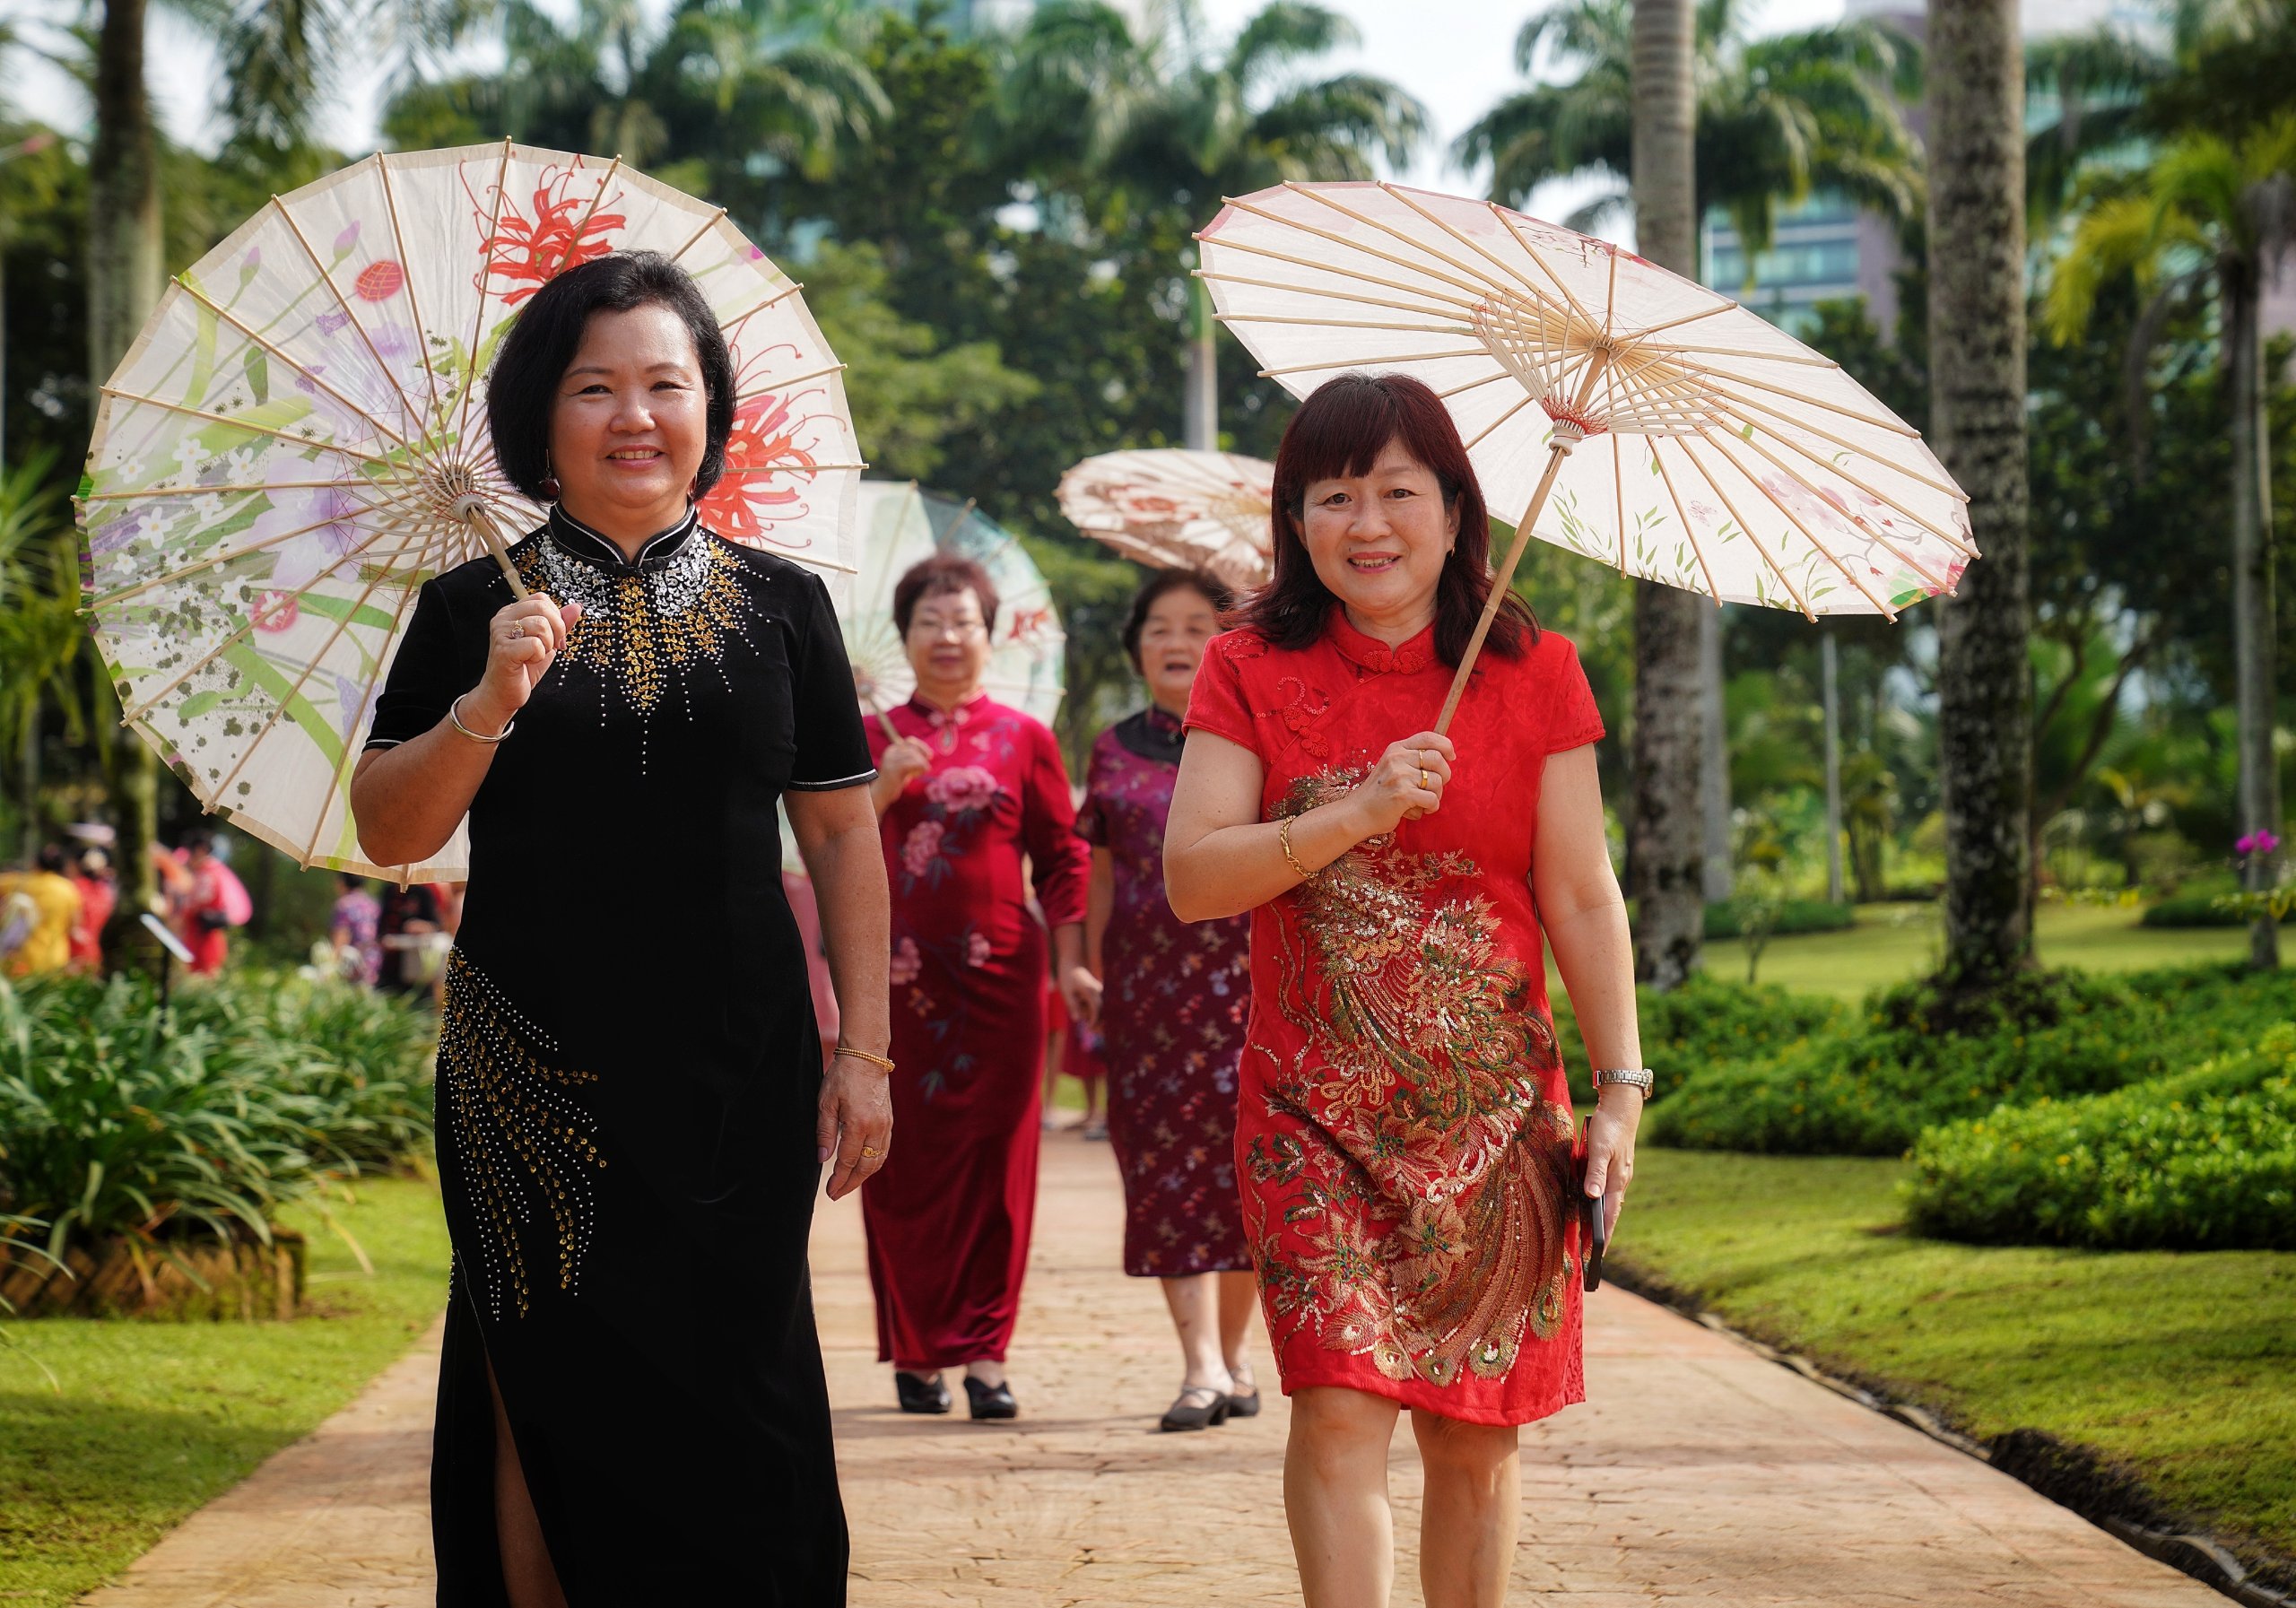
(1378,541)
(629,423)
(1171,643)
(948,645)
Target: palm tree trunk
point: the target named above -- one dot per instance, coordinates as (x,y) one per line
(1666,836)
(1200,408)
(1830,673)
(1713,757)
(126,271)
(1977,364)
(2253,626)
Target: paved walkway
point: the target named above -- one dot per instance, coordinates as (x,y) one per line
(1701,1474)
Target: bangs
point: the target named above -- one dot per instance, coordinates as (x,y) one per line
(1352,427)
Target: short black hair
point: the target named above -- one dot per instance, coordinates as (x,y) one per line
(534,355)
(1166,581)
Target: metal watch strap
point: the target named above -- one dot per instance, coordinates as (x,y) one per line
(1639,1077)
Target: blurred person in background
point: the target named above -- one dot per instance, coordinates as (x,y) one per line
(1174,997)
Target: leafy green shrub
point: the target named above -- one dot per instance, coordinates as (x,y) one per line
(1704,1024)
(113,1121)
(1794,915)
(2202,1161)
(1912,1058)
(2197,909)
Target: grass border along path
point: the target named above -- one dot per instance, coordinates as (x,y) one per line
(2176,1369)
(153,1419)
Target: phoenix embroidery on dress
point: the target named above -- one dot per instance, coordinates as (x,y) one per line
(1422,1055)
(519,1134)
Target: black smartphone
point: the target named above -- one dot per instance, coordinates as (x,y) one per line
(1594,1234)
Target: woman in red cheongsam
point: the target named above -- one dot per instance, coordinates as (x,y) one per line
(966,790)
(1405,1139)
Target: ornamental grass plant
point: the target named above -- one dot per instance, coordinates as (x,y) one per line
(1870,1081)
(2199,1161)
(198,1124)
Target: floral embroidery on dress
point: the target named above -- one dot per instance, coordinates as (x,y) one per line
(519,1135)
(1422,1054)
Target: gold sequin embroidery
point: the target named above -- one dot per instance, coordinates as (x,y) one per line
(1432,1178)
(520,1137)
(639,629)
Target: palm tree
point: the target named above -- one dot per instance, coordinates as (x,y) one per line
(1777,119)
(2213,215)
(1665,834)
(1164,116)
(1976,361)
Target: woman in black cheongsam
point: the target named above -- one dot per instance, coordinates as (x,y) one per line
(632,1110)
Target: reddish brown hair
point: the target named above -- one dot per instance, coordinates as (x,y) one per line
(944,572)
(1340,430)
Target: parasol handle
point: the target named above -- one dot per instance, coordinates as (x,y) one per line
(885,721)
(471,508)
(1567,435)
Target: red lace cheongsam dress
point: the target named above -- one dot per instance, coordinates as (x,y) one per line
(1404,1133)
(949,1221)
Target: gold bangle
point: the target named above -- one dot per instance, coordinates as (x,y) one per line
(863,1055)
(1284,837)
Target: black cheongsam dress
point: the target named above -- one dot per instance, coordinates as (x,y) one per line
(627,1072)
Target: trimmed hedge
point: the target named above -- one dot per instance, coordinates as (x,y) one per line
(1702,1025)
(2195,909)
(1869,1083)
(2202,1161)
(1794,915)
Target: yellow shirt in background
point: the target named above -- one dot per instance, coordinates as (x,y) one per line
(57,902)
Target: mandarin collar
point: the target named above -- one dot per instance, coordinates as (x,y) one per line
(577,540)
(1163,722)
(967,708)
(1376,656)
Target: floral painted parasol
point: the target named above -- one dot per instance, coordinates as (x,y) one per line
(298,440)
(1172,507)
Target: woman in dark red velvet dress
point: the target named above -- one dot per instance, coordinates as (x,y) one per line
(965,791)
(1172,1011)
(1405,1133)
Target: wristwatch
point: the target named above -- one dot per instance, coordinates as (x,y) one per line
(1638,1077)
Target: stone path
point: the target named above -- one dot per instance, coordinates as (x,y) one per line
(1701,1473)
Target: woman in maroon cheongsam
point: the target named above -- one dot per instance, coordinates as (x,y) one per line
(1172,1013)
(966,790)
(1405,1134)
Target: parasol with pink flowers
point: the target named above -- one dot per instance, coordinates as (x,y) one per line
(1172,507)
(298,440)
(1610,406)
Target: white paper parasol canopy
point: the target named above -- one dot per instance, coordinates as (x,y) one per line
(1639,419)
(1174,508)
(298,441)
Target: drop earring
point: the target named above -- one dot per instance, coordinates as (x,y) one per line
(549,487)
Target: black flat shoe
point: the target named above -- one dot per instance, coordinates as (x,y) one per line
(922,1395)
(1186,1415)
(1244,1406)
(991,1403)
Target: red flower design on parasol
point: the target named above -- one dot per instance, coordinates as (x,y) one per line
(567,229)
(749,502)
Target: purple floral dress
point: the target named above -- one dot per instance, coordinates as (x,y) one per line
(1178,996)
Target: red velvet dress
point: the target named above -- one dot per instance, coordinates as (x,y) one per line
(1404,1131)
(949,1217)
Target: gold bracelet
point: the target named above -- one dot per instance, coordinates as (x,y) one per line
(454,714)
(1284,837)
(863,1055)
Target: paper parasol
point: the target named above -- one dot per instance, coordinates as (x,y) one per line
(900,525)
(298,440)
(1610,406)
(1174,508)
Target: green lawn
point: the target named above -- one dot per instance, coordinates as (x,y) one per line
(2181,1366)
(1892,943)
(155,1419)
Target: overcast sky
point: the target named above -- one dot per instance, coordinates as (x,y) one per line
(1456,56)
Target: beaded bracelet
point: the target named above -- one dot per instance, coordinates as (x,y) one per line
(862,1055)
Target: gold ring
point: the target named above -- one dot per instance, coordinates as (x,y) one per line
(869,1150)
(517,628)
(1422,778)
